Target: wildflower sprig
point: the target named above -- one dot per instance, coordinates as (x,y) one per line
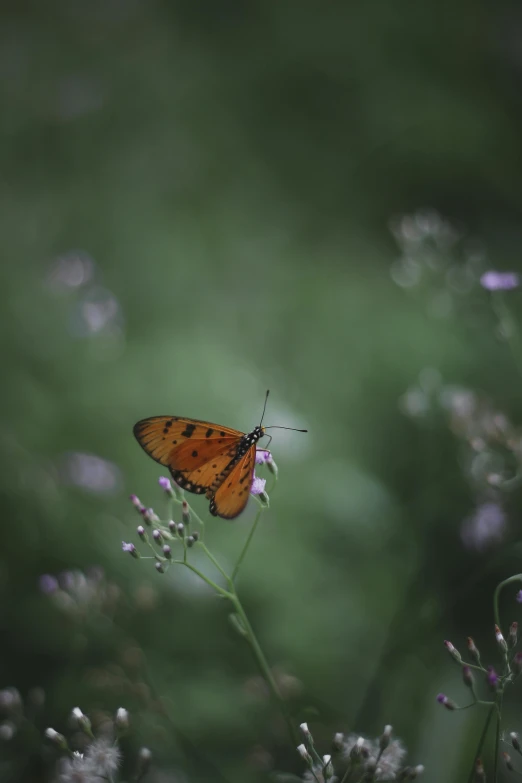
(170,543)
(355,759)
(100,757)
(496,681)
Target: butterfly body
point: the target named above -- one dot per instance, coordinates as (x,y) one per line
(204,458)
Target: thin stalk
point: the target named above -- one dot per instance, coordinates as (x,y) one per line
(512,334)
(215,562)
(481,743)
(497,736)
(247,543)
(209,582)
(496,596)
(263,664)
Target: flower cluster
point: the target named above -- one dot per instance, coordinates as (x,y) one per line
(495,678)
(15,713)
(163,537)
(357,759)
(88,758)
(78,593)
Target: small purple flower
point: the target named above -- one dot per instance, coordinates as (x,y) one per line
(499,281)
(165,484)
(492,678)
(258,485)
(48,584)
(136,502)
(519,596)
(130,548)
(446,702)
(262,456)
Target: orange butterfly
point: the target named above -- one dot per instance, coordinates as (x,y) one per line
(204,458)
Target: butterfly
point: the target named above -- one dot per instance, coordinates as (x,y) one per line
(204,458)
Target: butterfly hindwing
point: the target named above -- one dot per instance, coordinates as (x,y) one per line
(231,497)
(201,466)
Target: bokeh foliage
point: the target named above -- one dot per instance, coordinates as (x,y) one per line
(230,169)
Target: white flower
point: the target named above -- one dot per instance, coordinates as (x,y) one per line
(104,757)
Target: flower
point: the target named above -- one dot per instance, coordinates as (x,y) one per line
(519,596)
(492,678)
(258,485)
(485,527)
(262,456)
(446,702)
(165,484)
(499,281)
(49,584)
(104,757)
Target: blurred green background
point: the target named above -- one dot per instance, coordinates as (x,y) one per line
(201,200)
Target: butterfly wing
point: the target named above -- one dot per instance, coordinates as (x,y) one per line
(231,497)
(197,453)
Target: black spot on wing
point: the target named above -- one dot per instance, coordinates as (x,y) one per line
(188,432)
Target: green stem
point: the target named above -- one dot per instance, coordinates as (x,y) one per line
(215,562)
(263,664)
(209,582)
(247,543)
(481,743)
(512,335)
(497,736)
(498,589)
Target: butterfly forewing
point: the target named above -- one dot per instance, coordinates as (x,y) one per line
(160,436)
(232,495)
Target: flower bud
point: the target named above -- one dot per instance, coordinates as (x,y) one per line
(416,772)
(180,527)
(191,541)
(515,740)
(467,676)
(492,678)
(507,761)
(140,530)
(167,552)
(165,485)
(453,651)
(473,650)
(338,740)
(185,513)
(327,767)
(173,527)
(149,516)
(136,502)
(500,639)
(384,739)
(81,720)
(516,664)
(446,702)
(195,535)
(480,775)
(306,731)
(513,635)
(144,759)
(159,568)
(301,749)
(56,738)
(519,597)
(121,720)
(131,549)
(156,535)
(359,750)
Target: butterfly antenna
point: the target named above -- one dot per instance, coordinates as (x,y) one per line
(276,427)
(264,406)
